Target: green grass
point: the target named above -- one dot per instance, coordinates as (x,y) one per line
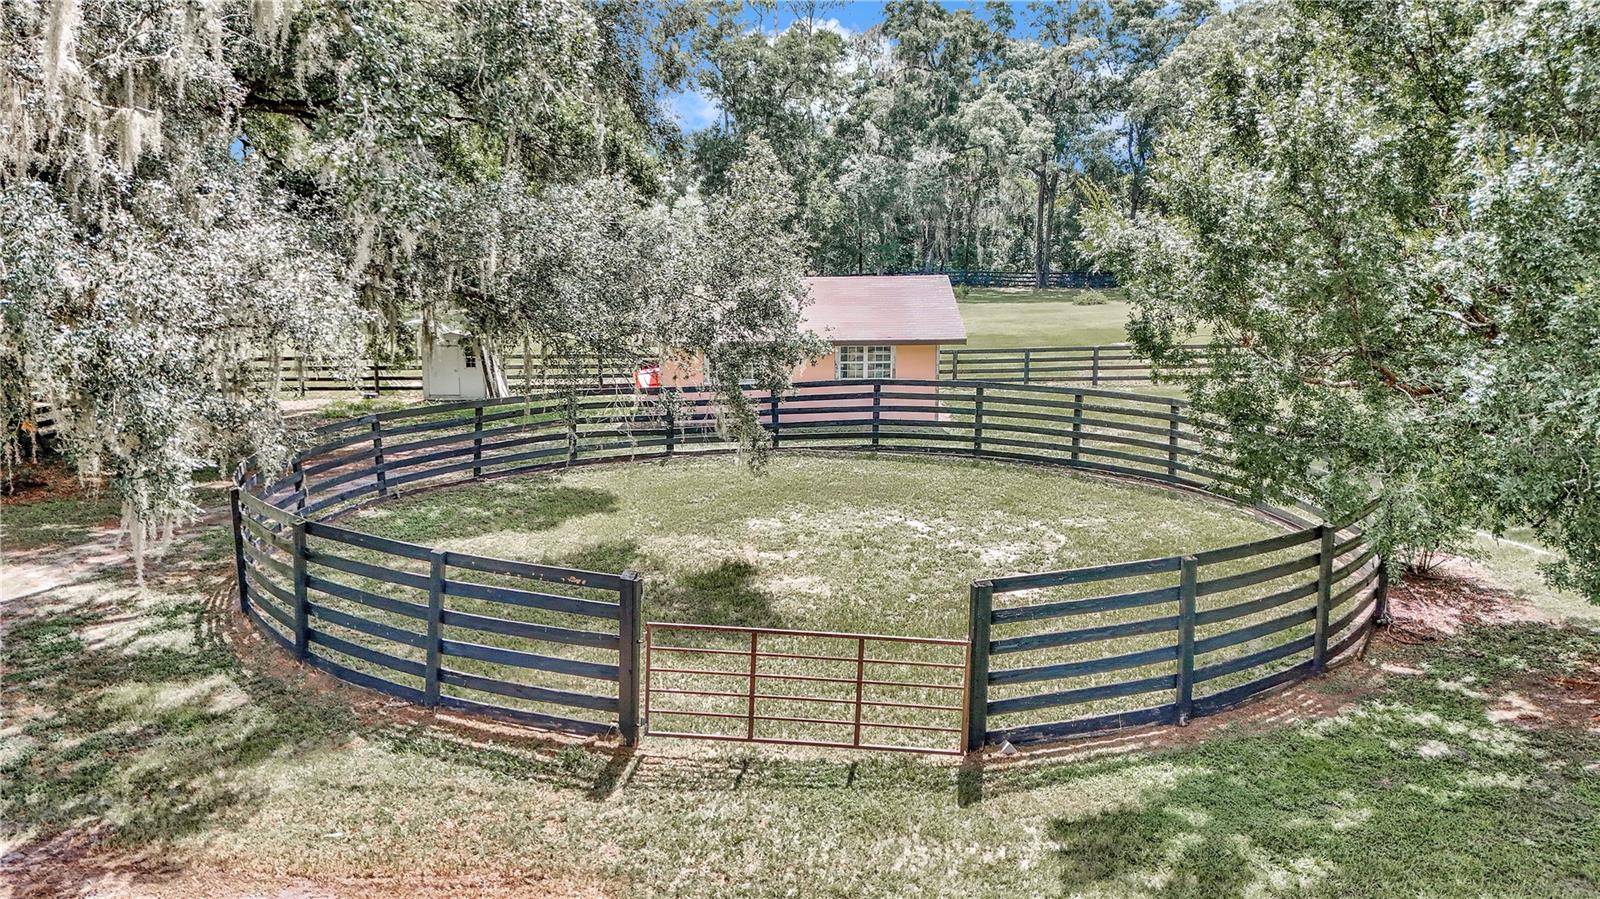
(127,712)
(813,541)
(1514,562)
(354,407)
(56,521)
(892,552)
(1008,317)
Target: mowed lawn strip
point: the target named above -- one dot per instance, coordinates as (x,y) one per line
(129,715)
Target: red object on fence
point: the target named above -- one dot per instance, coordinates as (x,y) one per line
(648,378)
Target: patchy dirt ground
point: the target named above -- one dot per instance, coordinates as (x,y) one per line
(1428,607)
(1425,610)
(33,482)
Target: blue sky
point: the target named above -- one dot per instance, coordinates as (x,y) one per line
(693,110)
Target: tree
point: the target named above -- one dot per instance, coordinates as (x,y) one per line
(141,265)
(1386,216)
(185,186)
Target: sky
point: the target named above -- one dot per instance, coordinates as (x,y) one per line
(693,110)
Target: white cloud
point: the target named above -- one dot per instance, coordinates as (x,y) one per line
(835,26)
(693,110)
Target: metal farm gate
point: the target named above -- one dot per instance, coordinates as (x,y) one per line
(806,688)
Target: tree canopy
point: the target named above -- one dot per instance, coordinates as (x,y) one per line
(938,139)
(186,186)
(1386,215)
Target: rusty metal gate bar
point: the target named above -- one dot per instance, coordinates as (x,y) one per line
(751,674)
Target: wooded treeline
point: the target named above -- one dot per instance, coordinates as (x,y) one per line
(939,139)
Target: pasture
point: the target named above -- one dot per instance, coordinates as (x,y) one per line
(149,725)
(153,739)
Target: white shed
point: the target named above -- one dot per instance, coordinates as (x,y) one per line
(453,367)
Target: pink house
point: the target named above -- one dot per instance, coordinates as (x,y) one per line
(880,326)
(888,326)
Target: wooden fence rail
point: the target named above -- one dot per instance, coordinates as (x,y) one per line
(995,278)
(1096,365)
(1109,364)
(1051,654)
(302,375)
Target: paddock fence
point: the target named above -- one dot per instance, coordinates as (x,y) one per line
(1108,364)
(1049,654)
(302,374)
(994,279)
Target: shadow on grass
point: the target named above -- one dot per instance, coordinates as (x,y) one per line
(1417,791)
(139,715)
(722,592)
(133,715)
(473,510)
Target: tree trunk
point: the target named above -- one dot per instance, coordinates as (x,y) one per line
(1049,227)
(492,364)
(1040,232)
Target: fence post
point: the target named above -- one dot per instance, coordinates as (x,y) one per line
(1172,443)
(1027,366)
(238,549)
(301,627)
(437,560)
(377,457)
(300,373)
(299,483)
(877,403)
(772,406)
(1077,424)
(1094,371)
(377,386)
(955,365)
(671,424)
(1381,613)
(630,631)
(1188,578)
(1319,646)
(477,441)
(572,429)
(977,421)
(981,609)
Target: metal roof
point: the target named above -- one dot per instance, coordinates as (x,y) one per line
(884,309)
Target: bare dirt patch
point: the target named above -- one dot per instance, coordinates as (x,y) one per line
(1541,699)
(1429,607)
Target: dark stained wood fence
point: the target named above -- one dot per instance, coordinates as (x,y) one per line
(1052,654)
(1108,364)
(302,375)
(995,278)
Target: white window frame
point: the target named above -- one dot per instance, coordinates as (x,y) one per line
(864,360)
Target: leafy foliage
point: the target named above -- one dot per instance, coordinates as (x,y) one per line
(1386,214)
(184,187)
(941,138)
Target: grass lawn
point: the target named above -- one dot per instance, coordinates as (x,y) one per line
(1514,562)
(133,721)
(1007,317)
(894,553)
(49,506)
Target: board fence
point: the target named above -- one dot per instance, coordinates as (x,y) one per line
(1050,654)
